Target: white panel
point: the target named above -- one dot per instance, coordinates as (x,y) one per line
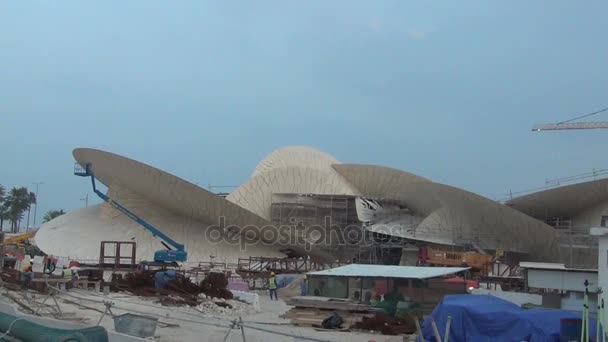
(389,271)
(568,281)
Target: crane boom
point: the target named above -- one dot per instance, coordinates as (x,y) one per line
(570,125)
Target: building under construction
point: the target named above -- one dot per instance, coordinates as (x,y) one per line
(334,212)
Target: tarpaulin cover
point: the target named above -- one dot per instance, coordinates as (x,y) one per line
(22,329)
(488,318)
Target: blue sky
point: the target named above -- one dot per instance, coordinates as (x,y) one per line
(205,89)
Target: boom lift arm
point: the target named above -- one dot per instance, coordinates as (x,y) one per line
(178,254)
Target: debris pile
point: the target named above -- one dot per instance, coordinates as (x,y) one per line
(184,284)
(179,291)
(215,285)
(387,325)
(223,307)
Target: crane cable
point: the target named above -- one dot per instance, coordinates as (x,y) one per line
(583,116)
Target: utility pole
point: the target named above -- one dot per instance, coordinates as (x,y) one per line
(37,201)
(86,200)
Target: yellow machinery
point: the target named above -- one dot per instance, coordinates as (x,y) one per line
(443,257)
(17,239)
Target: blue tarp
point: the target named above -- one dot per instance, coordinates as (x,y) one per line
(488,318)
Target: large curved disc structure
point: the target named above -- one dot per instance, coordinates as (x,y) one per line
(453,214)
(78,234)
(256,194)
(565,201)
(164,189)
(367,179)
(189,207)
(300,180)
(295,156)
(180,209)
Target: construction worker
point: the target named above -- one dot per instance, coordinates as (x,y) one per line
(49,265)
(28,274)
(272,286)
(68,275)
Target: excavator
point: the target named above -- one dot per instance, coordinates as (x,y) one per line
(175,251)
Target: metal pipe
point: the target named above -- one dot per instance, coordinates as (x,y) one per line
(37,201)
(242,329)
(446,337)
(435,331)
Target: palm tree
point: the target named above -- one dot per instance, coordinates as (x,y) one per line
(3,214)
(18,200)
(32,197)
(51,214)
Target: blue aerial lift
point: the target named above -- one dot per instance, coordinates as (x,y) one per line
(175,251)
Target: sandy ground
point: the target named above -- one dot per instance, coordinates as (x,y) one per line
(195,325)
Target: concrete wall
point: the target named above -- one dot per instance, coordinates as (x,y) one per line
(561,280)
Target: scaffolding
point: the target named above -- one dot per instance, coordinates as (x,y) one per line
(255,271)
(346,237)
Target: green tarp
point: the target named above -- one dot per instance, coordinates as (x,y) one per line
(28,331)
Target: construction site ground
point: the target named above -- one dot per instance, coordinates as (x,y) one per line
(183,323)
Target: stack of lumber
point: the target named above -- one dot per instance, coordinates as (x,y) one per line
(311,311)
(328,303)
(309,317)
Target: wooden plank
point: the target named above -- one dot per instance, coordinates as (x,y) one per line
(51,280)
(332,305)
(312,318)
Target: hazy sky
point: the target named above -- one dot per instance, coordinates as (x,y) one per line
(205,89)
